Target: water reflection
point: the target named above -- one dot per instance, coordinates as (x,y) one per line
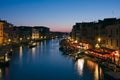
(41,47)
(20,52)
(46,62)
(0,73)
(80,65)
(7,71)
(88,67)
(98,73)
(95,67)
(34,52)
(44,42)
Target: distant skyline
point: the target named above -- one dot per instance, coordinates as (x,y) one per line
(58,15)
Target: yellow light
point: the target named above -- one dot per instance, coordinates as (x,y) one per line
(20,38)
(34,43)
(0,73)
(6,58)
(99,39)
(41,36)
(33,37)
(45,37)
(9,40)
(0,70)
(97,46)
(20,51)
(76,41)
(69,37)
(28,38)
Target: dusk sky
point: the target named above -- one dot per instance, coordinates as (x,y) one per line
(58,15)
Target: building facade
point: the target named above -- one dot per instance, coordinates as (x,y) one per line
(35,34)
(6,32)
(1,32)
(43,31)
(104,34)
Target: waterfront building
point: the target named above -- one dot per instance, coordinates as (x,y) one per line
(104,34)
(6,32)
(112,39)
(58,34)
(43,31)
(90,32)
(1,32)
(24,33)
(35,34)
(84,33)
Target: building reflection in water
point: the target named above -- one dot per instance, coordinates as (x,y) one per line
(34,52)
(44,45)
(41,47)
(0,73)
(92,66)
(20,54)
(80,65)
(21,51)
(95,67)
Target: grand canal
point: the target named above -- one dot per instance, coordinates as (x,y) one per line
(46,62)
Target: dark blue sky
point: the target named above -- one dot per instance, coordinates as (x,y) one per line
(59,15)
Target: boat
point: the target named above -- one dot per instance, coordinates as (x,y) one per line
(4,59)
(32,44)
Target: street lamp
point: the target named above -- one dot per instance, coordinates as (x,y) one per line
(20,39)
(9,40)
(41,37)
(99,39)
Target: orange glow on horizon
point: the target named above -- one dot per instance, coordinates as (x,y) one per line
(61,30)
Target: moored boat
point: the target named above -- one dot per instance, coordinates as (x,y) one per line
(32,44)
(4,59)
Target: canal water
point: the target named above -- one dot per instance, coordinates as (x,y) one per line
(47,62)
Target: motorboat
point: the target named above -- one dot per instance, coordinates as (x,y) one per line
(32,44)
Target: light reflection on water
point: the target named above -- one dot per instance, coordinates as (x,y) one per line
(46,62)
(0,73)
(92,67)
(33,53)
(95,67)
(20,52)
(80,65)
